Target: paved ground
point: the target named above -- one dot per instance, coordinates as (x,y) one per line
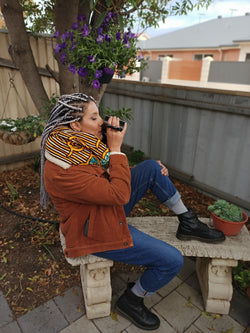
(179,306)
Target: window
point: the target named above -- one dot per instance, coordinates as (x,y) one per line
(164,56)
(202,56)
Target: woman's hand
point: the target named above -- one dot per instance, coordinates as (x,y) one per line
(164,170)
(115,137)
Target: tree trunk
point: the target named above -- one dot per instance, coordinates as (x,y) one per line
(65,15)
(21,52)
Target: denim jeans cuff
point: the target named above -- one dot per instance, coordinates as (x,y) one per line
(173,200)
(141,292)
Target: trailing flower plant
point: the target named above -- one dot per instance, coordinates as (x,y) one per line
(226,211)
(94,51)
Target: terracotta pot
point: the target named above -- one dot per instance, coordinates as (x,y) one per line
(227,227)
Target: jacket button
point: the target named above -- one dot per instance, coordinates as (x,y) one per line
(121,223)
(125,244)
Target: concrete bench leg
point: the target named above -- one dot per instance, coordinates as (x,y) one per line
(96,287)
(215,277)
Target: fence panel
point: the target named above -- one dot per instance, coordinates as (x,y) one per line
(202,135)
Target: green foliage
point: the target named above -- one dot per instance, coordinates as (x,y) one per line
(13,192)
(135,157)
(39,15)
(241,274)
(226,211)
(32,124)
(123,113)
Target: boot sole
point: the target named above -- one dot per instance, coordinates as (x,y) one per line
(204,240)
(123,314)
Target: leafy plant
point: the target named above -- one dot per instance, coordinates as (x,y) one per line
(135,157)
(104,48)
(32,124)
(123,113)
(241,274)
(226,211)
(13,192)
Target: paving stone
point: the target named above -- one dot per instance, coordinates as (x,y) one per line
(194,282)
(240,309)
(191,295)
(168,288)
(47,318)
(164,328)
(177,311)
(110,325)
(188,268)
(5,312)
(82,325)
(152,300)
(193,329)
(71,303)
(10,328)
(223,323)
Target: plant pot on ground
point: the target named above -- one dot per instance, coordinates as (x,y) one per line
(227,217)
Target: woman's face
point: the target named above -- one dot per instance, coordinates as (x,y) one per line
(91,121)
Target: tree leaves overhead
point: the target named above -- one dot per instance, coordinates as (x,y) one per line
(39,16)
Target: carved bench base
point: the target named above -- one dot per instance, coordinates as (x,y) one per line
(96,286)
(215,278)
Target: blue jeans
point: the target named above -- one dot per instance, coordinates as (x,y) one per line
(162,261)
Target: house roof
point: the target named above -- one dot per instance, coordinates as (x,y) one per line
(219,32)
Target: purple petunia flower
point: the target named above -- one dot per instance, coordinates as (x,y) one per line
(75,26)
(98,73)
(140,57)
(81,18)
(64,36)
(82,71)
(99,39)
(109,70)
(57,34)
(96,84)
(73,46)
(72,68)
(63,57)
(118,35)
(91,58)
(57,48)
(107,38)
(99,30)
(127,45)
(85,30)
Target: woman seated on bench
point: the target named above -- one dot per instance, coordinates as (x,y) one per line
(93,189)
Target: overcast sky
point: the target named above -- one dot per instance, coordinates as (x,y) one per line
(224,8)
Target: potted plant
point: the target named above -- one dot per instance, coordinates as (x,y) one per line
(227,217)
(99,51)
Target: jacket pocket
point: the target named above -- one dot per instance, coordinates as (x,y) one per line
(86,227)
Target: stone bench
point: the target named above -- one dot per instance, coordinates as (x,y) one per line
(214,264)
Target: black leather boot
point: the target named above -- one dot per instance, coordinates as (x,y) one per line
(132,308)
(191,227)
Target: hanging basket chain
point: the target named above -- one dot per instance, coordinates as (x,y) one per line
(11,81)
(18,137)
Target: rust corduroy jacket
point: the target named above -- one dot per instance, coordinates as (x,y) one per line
(90,204)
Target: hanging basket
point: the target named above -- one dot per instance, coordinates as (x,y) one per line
(16,138)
